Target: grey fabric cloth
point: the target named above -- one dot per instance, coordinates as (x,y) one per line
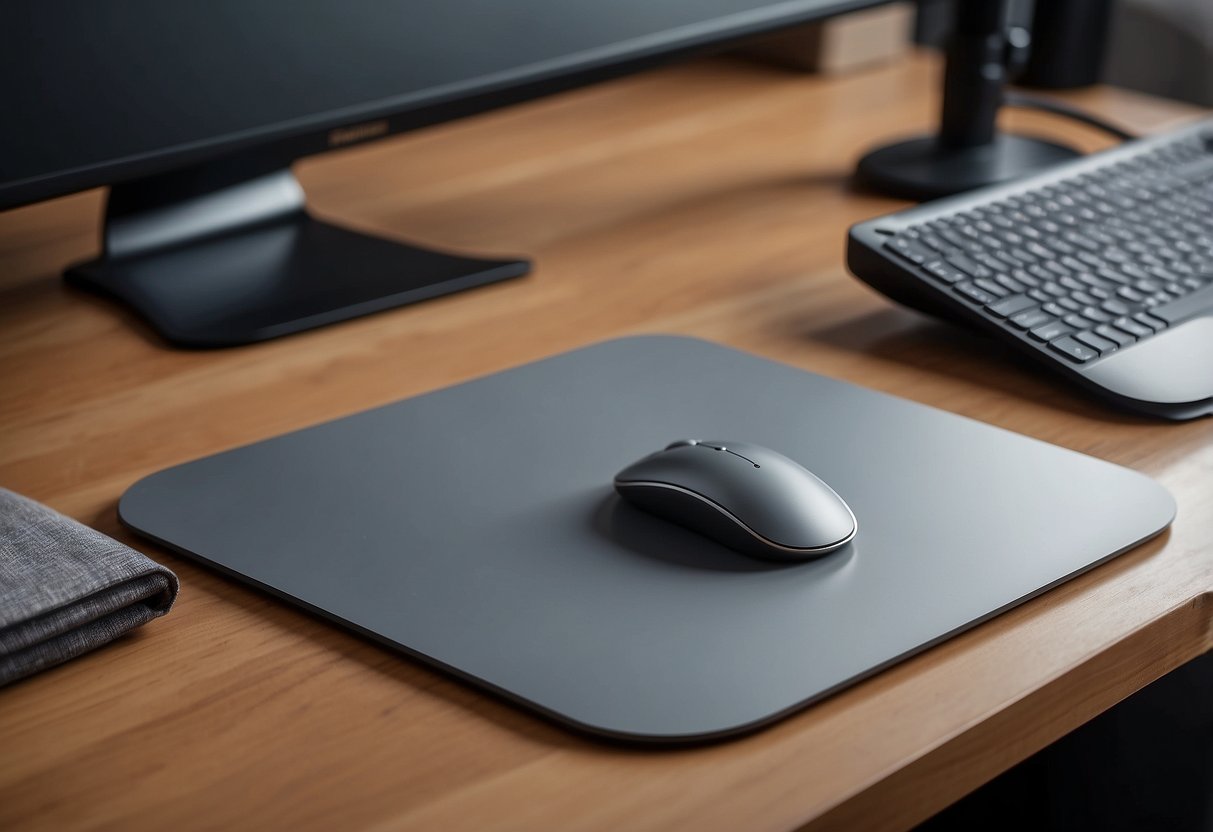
(66,589)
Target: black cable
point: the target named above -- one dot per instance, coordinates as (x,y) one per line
(1049,105)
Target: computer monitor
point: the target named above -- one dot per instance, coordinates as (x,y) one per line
(192,113)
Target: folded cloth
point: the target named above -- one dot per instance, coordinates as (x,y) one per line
(66,589)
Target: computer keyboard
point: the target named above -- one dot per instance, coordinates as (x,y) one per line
(1095,258)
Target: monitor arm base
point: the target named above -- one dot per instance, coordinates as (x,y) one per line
(925,168)
(213,257)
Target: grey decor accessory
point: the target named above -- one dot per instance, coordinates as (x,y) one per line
(66,589)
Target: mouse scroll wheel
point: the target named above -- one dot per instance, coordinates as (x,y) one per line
(683,443)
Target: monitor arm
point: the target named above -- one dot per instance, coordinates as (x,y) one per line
(968,151)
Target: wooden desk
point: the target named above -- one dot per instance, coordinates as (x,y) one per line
(708,199)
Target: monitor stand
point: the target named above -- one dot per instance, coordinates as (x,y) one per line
(227,254)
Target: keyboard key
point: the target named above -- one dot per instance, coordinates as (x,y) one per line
(1131,271)
(1050,331)
(910,250)
(969,266)
(991,262)
(1152,323)
(1041,273)
(1038,251)
(1011,261)
(1122,339)
(958,240)
(1093,261)
(991,287)
(935,243)
(1027,278)
(1078,321)
(970,291)
(1132,327)
(1073,350)
(1096,342)
(1150,320)
(1010,305)
(1009,283)
(1096,282)
(1030,319)
(945,272)
(1082,240)
(1096,314)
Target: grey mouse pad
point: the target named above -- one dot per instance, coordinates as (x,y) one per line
(476,528)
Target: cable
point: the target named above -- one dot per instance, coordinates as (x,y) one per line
(1049,105)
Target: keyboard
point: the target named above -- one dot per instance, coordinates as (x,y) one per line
(1102,268)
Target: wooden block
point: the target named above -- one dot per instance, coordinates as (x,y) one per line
(841,44)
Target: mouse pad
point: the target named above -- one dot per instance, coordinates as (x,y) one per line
(476,528)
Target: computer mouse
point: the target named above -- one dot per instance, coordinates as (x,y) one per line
(742,495)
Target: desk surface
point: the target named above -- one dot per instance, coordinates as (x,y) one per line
(707,199)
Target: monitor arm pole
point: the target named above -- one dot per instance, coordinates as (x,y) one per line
(978,56)
(968,151)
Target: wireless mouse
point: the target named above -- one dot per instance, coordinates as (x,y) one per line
(742,495)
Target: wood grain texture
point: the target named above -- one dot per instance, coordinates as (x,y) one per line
(708,199)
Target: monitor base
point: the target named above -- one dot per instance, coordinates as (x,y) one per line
(923,168)
(279,279)
(226,254)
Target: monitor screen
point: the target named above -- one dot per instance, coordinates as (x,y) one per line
(91,90)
